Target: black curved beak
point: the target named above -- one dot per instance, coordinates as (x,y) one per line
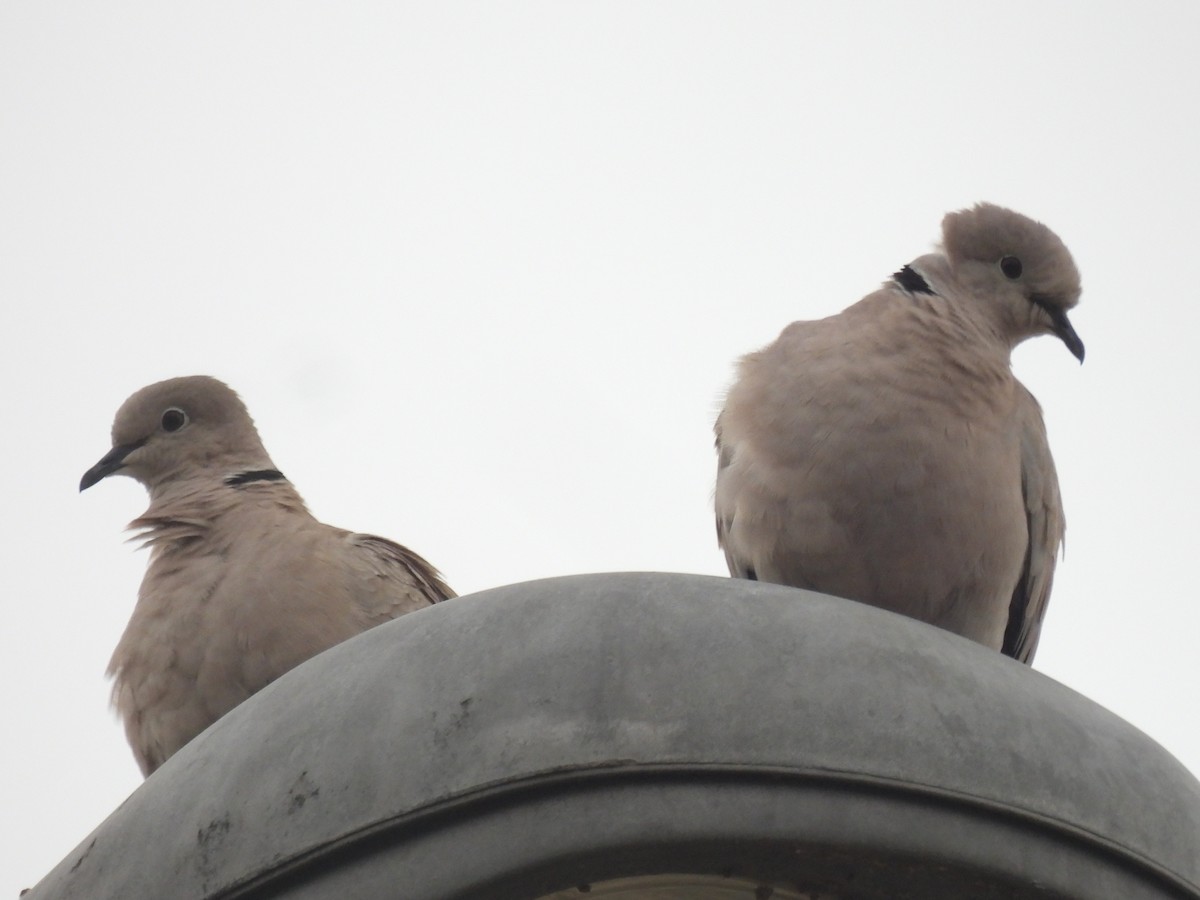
(1066,333)
(113,460)
(1062,327)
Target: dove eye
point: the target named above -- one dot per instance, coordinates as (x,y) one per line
(1011,267)
(174,419)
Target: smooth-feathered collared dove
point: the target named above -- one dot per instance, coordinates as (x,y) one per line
(887,454)
(243,583)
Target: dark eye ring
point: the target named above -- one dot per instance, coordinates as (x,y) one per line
(174,419)
(1011,267)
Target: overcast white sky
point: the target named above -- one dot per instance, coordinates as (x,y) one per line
(480,272)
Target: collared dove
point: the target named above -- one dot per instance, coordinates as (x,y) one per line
(243,583)
(887,454)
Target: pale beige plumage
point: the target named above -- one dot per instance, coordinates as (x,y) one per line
(887,454)
(243,583)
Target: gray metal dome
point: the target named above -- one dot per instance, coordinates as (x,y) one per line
(654,736)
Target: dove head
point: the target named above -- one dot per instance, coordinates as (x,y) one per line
(1019,267)
(178,429)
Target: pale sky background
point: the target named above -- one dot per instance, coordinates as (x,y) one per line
(481,271)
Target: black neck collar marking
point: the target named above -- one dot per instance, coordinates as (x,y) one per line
(910,279)
(241,478)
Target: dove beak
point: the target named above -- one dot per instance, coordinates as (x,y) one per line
(112,461)
(1066,333)
(1062,327)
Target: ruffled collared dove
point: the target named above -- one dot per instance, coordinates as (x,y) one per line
(888,455)
(243,583)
